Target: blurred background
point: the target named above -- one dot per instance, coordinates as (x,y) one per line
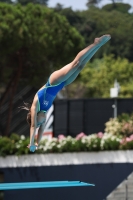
(94,114)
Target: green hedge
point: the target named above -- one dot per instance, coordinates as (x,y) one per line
(17,145)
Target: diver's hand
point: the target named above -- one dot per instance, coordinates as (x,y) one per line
(32,148)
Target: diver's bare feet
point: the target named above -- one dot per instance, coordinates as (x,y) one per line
(102,40)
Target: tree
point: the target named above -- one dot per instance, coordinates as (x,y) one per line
(98,77)
(24,2)
(34,41)
(98,22)
(95,22)
(121,7)
(72,16)
(58,7)
(92,3)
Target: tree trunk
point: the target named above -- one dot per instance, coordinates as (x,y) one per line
(12,94)
(114,3)
(8,88)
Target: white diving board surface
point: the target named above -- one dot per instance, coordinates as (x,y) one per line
(49,184)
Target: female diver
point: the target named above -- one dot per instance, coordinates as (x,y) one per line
(45,96)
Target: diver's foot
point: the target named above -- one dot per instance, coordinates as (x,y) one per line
(102,40)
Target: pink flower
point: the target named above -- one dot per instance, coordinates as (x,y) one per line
(127,128)
(128,139)
(122,141)
(131,136)
(60,137)
(80,135)
(100,135)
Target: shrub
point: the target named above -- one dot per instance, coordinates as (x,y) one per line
(17,145)
(122,125)
(113,126)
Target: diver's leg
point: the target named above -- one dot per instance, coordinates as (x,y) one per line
(76,73)
(64,73)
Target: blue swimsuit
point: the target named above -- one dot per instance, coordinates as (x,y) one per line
(47,95)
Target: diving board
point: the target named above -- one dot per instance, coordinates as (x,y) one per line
(49,184)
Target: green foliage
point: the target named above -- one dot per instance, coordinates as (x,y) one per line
(13,146)
(72,16)
(92,3)
(17,145)
(6,1)
(14,137)
(126,145)
(24,2)
(121,7)
(36,38)
(110,142)
(7,146)
(21,146)
(123,125)
(98,77)
(120,44)
(93,142)
(125,117)
(95,22)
